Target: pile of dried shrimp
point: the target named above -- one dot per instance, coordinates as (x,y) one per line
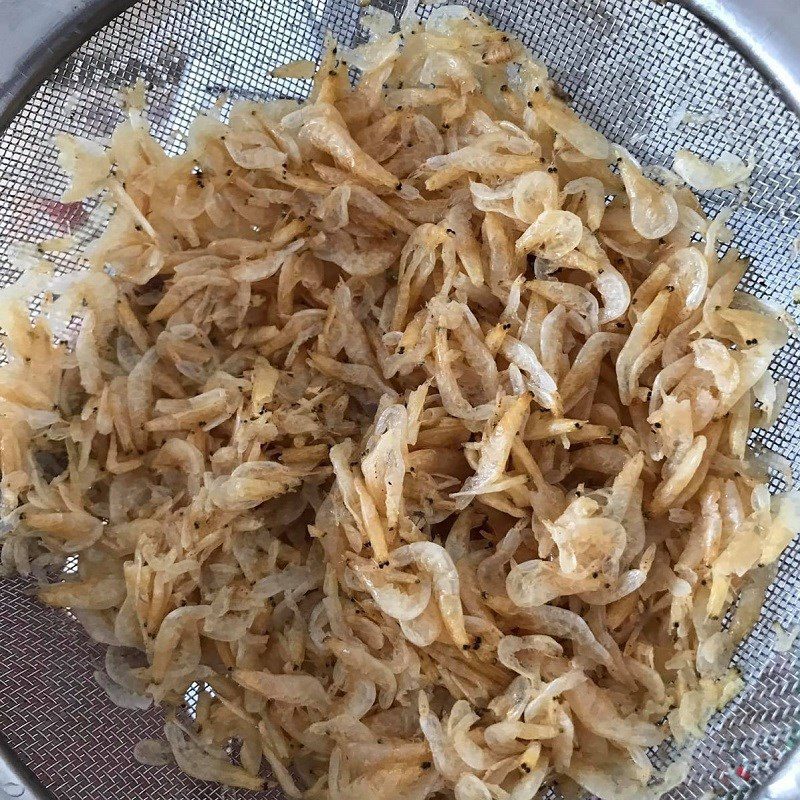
(410,422)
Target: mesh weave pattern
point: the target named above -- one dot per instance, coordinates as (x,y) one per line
(628,65)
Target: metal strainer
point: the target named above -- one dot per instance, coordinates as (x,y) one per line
(632,67)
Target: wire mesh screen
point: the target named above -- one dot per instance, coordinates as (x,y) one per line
(632,68)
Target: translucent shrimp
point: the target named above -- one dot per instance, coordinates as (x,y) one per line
(435,560)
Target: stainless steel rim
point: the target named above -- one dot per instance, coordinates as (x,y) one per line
(16,780)
(37,35)
(766,33)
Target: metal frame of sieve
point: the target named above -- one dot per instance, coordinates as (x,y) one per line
(627,65)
